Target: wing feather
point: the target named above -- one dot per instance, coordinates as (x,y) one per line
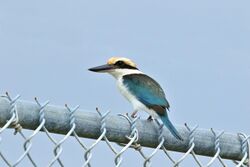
(148,91)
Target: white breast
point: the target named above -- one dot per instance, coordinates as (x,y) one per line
(137,105)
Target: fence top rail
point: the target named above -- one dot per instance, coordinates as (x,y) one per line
(89,125)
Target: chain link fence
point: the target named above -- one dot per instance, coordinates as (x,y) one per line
(220,148)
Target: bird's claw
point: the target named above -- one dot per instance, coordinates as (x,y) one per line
(150,118)
(133,115)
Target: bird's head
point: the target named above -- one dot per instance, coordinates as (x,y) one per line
(117,66)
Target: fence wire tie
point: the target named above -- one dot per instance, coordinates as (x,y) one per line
(245,149)
(12,121)
(217,148)
(13,111)
(16,124)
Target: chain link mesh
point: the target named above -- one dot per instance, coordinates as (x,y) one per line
(133,141)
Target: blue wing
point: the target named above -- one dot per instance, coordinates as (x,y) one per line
(148,91)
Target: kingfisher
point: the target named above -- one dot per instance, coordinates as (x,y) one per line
(142,91)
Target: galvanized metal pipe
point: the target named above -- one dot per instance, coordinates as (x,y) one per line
(88,125)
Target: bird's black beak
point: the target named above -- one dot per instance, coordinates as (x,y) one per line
(103,68)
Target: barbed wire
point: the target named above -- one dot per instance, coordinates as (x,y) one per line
(130,136)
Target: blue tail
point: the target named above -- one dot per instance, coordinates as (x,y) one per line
(170,126)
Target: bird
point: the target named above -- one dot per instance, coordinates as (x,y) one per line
(142,91)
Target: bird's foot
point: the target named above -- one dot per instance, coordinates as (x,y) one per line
(134,114)
(150,118)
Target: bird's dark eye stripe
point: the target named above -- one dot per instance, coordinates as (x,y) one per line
(119,63)
(122,64)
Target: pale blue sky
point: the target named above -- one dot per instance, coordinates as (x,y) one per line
(199,51)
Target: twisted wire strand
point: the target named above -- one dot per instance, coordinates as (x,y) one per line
(118,160)
(42,120)
(191,147)
(72,124)
(191,142)
(133,138)
(167,154)
(27,144)
(88,154)
(217,149)
(15,123)
(103,127)
(10,121)
(244,147)
(137,147)
(161,140)
(58,149)
(27,147)
(18,129)
(133,129)
(11,111)
(161,137)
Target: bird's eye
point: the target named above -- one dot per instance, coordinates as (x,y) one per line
(119,63)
